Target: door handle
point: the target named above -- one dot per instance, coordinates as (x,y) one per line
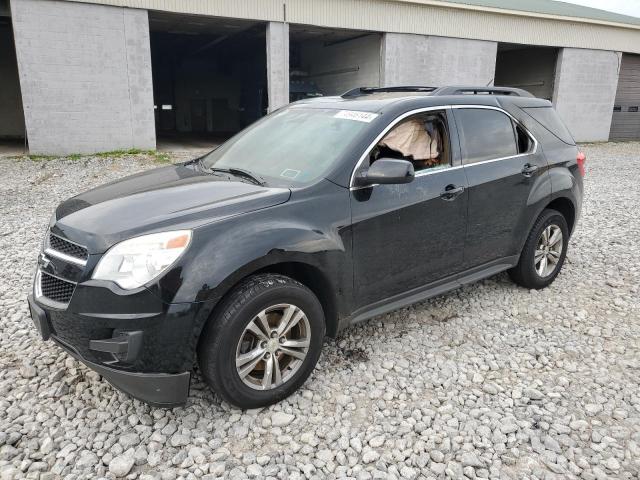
(528,169)
(451,192)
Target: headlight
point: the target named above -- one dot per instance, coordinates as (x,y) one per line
(136,261)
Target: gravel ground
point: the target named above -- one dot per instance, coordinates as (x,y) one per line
(489,381)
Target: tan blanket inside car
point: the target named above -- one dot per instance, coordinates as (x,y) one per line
(412,140)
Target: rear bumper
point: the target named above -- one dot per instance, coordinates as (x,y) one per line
(157,389)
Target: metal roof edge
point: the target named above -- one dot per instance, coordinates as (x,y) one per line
(520,13)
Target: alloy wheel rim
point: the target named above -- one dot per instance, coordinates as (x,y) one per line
(548,250)
(273,346)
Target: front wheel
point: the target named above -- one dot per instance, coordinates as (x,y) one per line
(544,251)
(263,342)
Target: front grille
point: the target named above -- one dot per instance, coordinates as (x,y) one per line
(64,246)
(55,288)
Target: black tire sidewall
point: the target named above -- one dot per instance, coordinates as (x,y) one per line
(529,276)
(222,373)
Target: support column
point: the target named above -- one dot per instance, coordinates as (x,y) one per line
(85,75)
(409,59)
(585,90)
(277,64)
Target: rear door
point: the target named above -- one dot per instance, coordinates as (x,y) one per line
(407,236)
(504,167)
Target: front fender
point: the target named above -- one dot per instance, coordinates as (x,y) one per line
(313,228)
(223,263)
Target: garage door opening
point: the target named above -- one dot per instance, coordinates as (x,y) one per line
(209,78)
(527,67)
(331,61)
(12,127)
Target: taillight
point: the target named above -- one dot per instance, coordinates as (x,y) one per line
(581,159)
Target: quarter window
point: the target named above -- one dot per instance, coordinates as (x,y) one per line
(525,144)
(485,134)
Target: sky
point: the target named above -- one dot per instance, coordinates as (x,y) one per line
(625,7)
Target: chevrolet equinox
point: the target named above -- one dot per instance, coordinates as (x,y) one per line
(327,212)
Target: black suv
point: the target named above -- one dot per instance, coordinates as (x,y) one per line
(325,213)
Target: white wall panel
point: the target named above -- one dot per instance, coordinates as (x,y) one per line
(414,16)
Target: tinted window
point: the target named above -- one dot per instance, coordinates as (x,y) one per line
(549,119)
(485,134)
(525,144)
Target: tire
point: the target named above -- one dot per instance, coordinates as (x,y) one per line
(526,272)
(236,328)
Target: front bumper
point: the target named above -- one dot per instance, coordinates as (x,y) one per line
(125,356)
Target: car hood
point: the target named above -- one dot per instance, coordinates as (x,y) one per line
(173,197)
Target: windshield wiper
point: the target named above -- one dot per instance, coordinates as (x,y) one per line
(239,172)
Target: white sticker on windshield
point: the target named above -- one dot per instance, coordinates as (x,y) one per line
(290,173)
(366,117)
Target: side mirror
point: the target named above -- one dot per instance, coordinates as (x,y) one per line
(387,171)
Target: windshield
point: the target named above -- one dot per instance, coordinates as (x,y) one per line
(293,146)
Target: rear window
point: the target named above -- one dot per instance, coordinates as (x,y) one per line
(549,119)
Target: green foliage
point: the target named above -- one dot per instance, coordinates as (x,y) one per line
(156,156)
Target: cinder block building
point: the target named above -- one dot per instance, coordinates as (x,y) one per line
(85,76)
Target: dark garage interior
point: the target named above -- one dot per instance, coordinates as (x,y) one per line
(325,61)
(527,67)
(209,78)
(12,126)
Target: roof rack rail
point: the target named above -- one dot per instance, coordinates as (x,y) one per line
(471,90)
(355,92)
(440,91)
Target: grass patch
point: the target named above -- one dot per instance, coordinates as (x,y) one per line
(157,157)
(161,157)
(123,153)
(39,158)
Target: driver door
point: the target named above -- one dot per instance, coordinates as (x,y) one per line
(408,236)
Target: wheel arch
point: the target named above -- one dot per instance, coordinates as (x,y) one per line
(315,280)
(563,204)
(566,207)
(309,275)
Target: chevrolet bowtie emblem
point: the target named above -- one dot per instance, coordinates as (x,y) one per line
(43,261)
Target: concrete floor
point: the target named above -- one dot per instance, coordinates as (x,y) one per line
(188,142)
(12,148)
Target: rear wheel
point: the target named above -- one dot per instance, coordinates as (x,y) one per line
(264,341)
(544,251)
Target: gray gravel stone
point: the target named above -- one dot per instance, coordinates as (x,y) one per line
(470,459)
(281,419)
(121,466)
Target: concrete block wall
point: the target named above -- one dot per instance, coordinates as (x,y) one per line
(85,74)
(277,64)
(11,117)
(342,66)
(585,91)
(409,59)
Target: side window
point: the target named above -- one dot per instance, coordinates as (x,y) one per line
(485,134)
(422,139)
(525,144)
